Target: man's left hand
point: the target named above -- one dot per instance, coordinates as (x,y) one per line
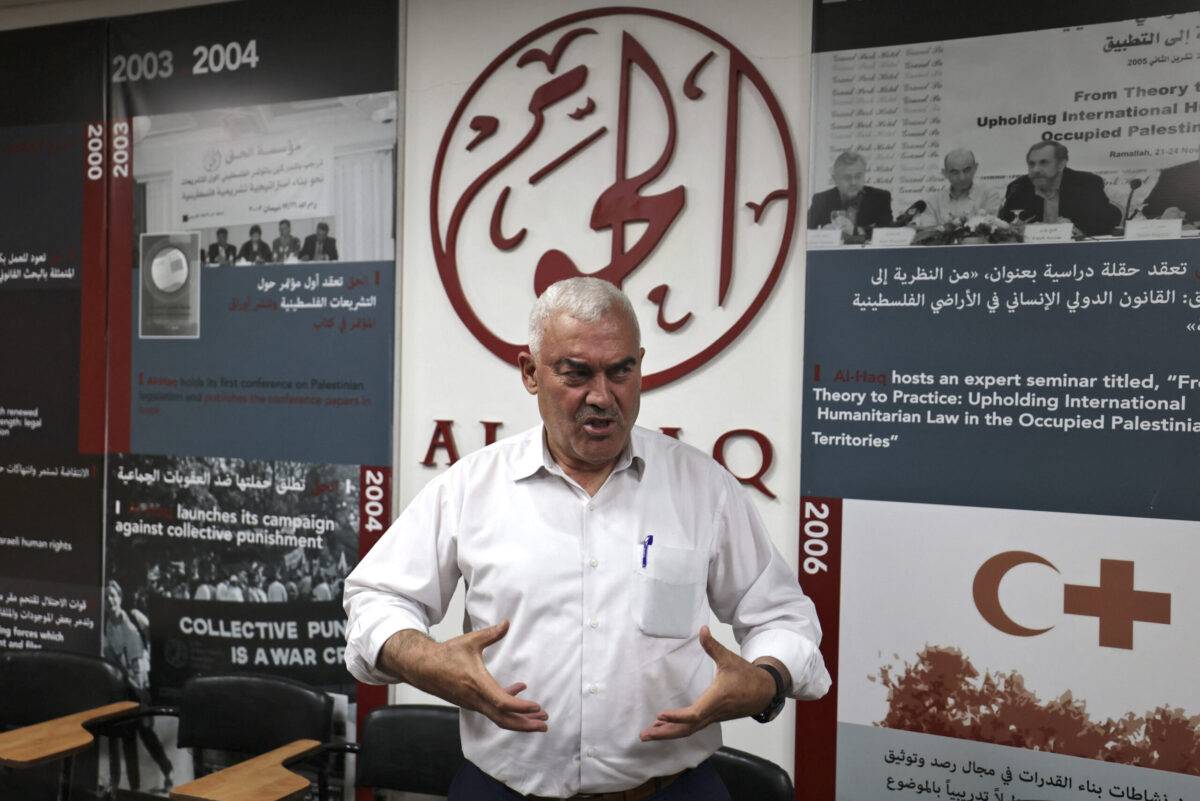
(738,689)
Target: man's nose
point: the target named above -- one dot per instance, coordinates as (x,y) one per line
(599,392)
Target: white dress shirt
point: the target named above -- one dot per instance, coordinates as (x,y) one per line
(940,208)
(604,641)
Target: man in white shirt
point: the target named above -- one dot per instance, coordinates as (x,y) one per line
(962,197)
(276,591)
(589,548)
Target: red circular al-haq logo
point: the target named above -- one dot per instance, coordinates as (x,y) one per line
(629,144)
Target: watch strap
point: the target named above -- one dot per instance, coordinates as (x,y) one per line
(776,703)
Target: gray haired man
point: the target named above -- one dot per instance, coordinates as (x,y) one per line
(591,551)
(850,204)
(962,197)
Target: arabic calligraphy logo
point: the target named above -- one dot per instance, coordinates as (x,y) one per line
(642,142)
(1115,603)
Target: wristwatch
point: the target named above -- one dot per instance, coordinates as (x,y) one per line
(776,705)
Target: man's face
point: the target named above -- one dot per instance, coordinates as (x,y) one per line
(255,236)
(849,178)
(960,172)
(113,600)
(222,237)
(321,234)
(285,229)
(1044,167)
(588,382)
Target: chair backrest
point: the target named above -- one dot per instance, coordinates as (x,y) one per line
(410,747)
(40,685)
(251,714)
(752,778)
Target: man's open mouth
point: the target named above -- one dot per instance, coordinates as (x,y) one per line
(599,426)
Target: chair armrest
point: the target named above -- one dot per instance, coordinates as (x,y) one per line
(262,778)
(312,757)
(117,727)
(61,737)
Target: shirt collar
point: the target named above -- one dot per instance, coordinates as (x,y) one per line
(1055,187)
(534,455)
(970,191)
(850,200)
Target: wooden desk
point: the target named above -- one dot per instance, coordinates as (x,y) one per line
(263,778)
(55,739)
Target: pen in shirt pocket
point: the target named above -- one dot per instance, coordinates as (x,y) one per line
(646,541)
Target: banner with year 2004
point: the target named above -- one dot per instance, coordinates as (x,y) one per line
(252,263)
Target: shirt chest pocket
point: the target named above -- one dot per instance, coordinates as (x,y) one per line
(670,591)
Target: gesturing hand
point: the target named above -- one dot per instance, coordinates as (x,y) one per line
(738,689)
(454,671)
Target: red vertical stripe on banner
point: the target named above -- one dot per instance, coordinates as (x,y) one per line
(92,302)
(370,696)
(374,505)
(120,302)
(374,516)
(821,577)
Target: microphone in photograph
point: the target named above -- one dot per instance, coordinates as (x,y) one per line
(1134,185)
(910,212)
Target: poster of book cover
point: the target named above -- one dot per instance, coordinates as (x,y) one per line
(252,262)
(1000,413)
(52,325)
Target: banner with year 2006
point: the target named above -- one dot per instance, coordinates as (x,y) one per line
(1000,413)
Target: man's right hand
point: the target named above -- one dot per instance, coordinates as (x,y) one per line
(454,671)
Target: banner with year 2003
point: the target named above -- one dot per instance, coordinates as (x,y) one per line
(252,264)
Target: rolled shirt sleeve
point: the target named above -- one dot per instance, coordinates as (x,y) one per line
(404,582)
(752,587)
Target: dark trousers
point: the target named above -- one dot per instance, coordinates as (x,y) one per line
(698,784)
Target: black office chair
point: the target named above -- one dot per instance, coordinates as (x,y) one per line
(249,714)
(752,778)
(412,748)
(245,715)
(42,685)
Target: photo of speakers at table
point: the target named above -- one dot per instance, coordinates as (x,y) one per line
(279,183)
(1054,135)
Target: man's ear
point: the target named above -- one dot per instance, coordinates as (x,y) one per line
(528,367)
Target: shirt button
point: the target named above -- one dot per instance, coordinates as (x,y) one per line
(594,563)
(592,690)
(591,507)
(591,752)
(594,623)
